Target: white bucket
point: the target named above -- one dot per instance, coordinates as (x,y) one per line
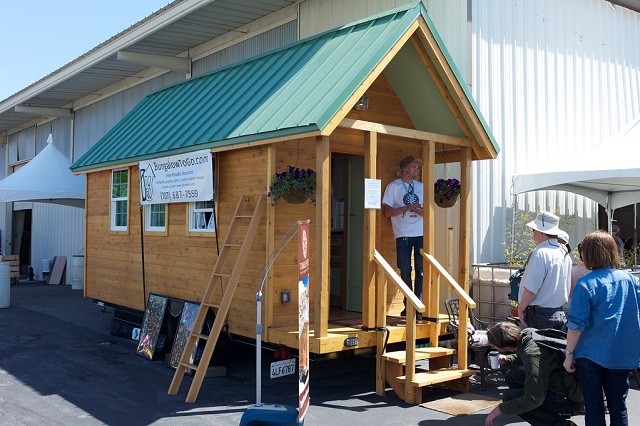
(46,268)
(77,272)
(5,284)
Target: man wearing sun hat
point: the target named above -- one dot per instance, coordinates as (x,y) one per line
(403,200)
(546,283)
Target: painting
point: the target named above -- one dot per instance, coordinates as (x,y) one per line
(188,317)
(153,317)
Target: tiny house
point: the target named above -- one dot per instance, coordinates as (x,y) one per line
(294,106)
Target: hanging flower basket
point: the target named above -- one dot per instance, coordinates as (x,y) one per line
(447,192)
(295,196)
(444,203)
(294,185)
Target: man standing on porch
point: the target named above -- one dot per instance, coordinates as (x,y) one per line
(402,203)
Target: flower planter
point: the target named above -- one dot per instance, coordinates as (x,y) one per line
(446,192)
(294,185)
(444,203)
(295,196)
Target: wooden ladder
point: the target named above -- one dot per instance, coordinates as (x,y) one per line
(227,296)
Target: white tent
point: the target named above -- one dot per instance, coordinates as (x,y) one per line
(608,174)
(46,179)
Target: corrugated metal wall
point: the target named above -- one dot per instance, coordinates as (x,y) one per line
(269,40)
(93,121)
(56,231)
(552,79)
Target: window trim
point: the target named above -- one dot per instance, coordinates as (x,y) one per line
(113,203)
(191,211)
(155,230)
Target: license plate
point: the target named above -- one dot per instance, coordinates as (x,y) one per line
(283,368)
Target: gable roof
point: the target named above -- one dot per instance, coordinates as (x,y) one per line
(303,89)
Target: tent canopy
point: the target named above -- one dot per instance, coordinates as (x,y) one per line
(45,179)
(608,174)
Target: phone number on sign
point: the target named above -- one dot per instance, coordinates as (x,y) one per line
(179,195)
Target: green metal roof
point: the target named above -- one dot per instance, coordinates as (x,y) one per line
(289,91)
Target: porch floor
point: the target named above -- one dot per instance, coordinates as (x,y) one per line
(347,324)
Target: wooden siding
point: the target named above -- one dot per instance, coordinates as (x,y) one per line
(178,264)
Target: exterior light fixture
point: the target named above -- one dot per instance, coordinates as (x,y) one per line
(362,104)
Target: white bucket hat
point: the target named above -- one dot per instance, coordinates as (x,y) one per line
(563,237)
(547,223)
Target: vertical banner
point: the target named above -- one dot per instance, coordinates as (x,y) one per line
(303,319)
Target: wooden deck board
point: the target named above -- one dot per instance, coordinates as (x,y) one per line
(336,334)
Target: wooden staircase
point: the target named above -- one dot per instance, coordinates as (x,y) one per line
(241,248)
(439,371)
(398,368)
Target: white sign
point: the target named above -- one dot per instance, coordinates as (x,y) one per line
(283,368)
(372,191)
(180,178)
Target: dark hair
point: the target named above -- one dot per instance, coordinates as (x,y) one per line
(599,250)
(504,335)
(580,250)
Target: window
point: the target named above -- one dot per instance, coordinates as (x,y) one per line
(155,218)
(119,199)
(201,216)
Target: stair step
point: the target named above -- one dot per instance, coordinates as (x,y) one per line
(400,357)
(433,377)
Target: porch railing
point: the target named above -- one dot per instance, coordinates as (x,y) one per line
(386,273)
(432,266)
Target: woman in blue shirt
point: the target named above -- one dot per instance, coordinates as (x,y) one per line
(603,329)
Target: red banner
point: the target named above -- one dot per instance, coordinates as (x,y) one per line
(303,319)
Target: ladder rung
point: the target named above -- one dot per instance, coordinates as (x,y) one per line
(244,216)
(211,305)
(218,274)
(189,365)
(232,245)
(200,336)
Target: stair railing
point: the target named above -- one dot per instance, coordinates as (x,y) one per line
(385,273)
(465,302)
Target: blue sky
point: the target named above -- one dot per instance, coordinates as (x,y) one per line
(39,36)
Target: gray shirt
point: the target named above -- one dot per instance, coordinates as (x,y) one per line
(548,275)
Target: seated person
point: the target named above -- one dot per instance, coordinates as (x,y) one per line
(540,393)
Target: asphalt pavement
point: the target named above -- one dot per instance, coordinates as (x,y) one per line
(59,365)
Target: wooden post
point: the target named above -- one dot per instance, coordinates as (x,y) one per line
(369,310)
(465,218)
(381,309)
(430,288)
(323,234)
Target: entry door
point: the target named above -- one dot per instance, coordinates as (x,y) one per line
(21,238)
(347,231)
(355,232)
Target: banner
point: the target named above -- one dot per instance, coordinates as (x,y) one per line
(183,178)
(303,319)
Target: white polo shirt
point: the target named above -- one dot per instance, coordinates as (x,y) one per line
(548,275)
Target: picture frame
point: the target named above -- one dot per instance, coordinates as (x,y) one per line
(152,323)
(185,325)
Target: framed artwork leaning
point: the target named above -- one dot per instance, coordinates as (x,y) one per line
(151,325)
(185,325)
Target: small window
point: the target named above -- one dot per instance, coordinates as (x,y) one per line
(201,217)
(119,199)
(155,218)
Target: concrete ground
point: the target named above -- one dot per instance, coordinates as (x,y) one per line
(59,365)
